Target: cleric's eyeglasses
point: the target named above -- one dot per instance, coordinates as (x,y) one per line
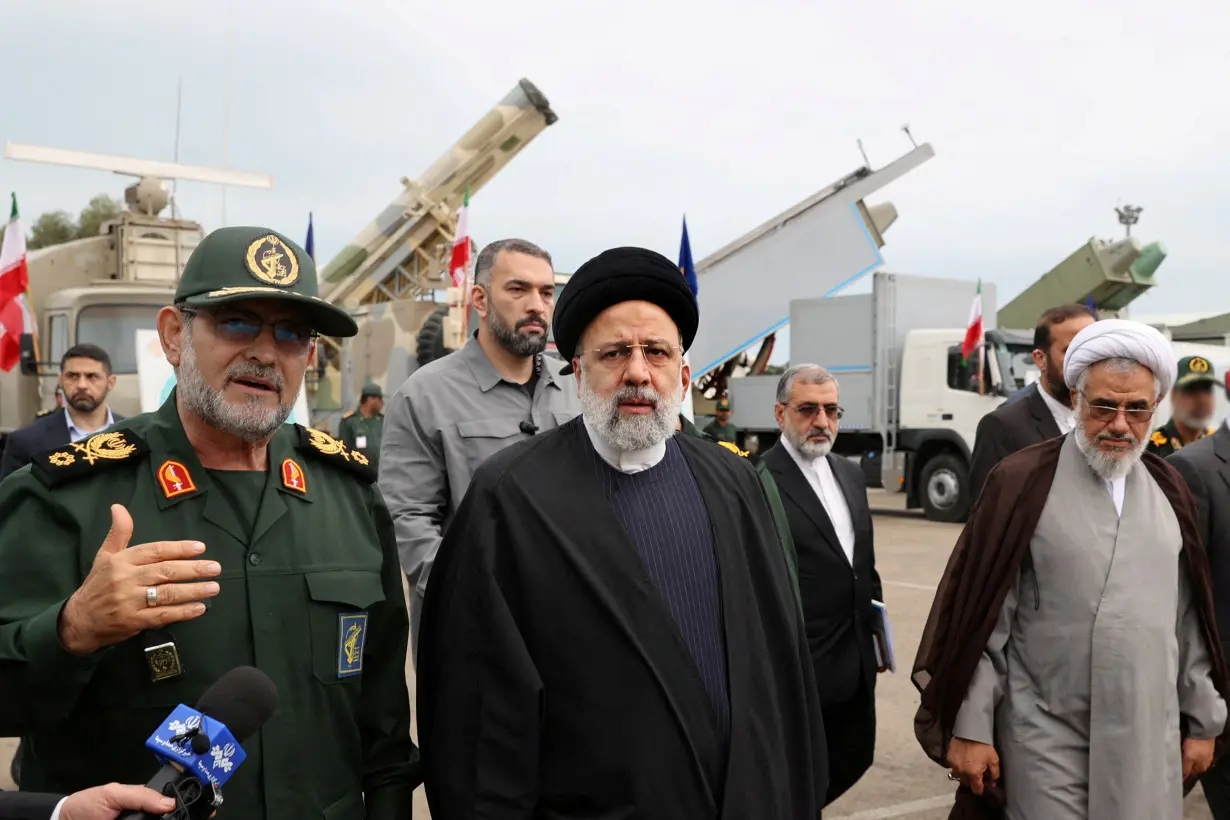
(810,411)
(1105,411)
(245,328)
(615,356)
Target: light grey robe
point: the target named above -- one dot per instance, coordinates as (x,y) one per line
(1097,652)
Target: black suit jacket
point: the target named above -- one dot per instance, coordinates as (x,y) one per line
(836,596)
(1010,427)
(1205,466)
(27,805)
(44,433)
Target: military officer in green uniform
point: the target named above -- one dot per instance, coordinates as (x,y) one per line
(361,429)
(141,564)
(722,428)
(687,427)
(1192,407)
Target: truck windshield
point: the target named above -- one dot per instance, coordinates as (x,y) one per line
(1011,369)
(114,329)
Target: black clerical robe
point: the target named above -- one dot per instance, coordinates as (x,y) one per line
(553,682)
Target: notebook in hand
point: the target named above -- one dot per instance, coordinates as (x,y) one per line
(882,634)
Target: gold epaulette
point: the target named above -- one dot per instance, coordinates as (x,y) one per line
(48,412)
(99,452)
(1158,439)
(348,414)
(329,449)
(734,448)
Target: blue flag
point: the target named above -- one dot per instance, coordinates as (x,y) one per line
(310,244)
(685,259)
(1089,304)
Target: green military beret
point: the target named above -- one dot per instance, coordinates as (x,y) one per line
(244,263)
(1194,370)
(371,389)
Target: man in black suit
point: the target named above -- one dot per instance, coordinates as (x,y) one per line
(825,498)
(99,803)
(86,380)
(1039,414)
(1205,467)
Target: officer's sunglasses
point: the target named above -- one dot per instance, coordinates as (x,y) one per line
(236,326)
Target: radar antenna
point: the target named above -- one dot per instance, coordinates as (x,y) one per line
(1129,215)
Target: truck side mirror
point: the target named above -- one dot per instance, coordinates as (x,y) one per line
(29,355)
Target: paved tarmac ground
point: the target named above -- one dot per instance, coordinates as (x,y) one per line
(903,783)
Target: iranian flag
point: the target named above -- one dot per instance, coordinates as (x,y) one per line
(973,333)
(15,317)
(459,264)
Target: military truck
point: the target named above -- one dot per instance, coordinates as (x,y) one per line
(393,276)
(103,289)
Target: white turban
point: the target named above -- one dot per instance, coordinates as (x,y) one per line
(1121,339)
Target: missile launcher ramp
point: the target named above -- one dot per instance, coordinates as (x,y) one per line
(1113,274)
(389,273)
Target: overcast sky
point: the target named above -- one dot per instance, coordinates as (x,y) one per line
(1043,115)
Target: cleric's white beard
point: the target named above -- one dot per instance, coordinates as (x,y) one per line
(626,433)
(1105,465)
(809,447)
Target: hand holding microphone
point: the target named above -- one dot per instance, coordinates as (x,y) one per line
(106,802)
(200,747)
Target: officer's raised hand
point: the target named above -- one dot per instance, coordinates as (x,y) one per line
(133,589)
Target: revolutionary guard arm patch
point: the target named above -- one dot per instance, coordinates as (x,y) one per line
(351,636)
(90,456)
(327,448)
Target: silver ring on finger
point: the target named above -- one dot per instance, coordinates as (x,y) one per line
(151,596)
(953,776)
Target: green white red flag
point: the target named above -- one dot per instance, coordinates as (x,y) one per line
(15,316)
(459,264)
(973,332)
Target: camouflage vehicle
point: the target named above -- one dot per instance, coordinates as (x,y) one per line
(393,275)
(103,289)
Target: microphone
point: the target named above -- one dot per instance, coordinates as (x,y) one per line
(199,748)
(528,427)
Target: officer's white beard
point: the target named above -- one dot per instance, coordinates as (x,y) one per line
(250,420)
(623,432)
(1194,422)
(1107,465)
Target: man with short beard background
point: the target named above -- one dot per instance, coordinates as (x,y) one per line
(143,563)
(611,629)
(453,413)
(1043,409)
(825,497)
(86,379)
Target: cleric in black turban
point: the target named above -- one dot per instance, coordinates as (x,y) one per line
(610,629)
(622,275)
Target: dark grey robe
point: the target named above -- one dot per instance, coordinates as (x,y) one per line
(553,683)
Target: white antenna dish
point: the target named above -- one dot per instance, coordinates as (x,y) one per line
(135,167)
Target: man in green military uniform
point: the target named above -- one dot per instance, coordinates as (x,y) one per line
(143,563)
(722,428)
(361,429)
(1192,407)
(687,427)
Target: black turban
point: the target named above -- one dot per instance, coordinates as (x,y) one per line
(622,275)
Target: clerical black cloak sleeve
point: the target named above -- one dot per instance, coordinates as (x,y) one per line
(553,683)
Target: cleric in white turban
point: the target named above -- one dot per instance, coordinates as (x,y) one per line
(1071,666)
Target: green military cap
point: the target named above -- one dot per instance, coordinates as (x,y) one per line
(243,263)
(1194,370)
(371,389)
(723,404)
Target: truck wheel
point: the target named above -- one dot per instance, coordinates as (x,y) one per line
(431,337)
(945,488)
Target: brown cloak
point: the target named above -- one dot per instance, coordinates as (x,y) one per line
(982,568)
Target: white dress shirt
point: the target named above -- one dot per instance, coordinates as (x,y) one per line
(632,461)
(75,434)
(819,474)
(1065,418)
(1116,487)
(55,815)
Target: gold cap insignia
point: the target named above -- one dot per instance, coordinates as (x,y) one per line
(271,261)
(1198,365)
